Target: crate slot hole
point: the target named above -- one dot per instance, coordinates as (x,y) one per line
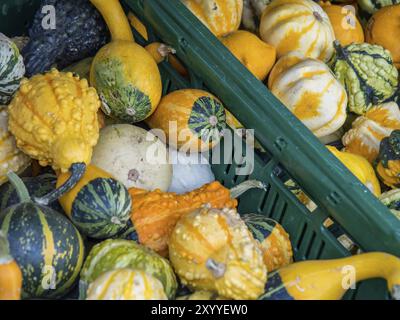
(301,237)
(310,244)
(264,199)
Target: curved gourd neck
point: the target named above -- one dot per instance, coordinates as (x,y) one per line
(5,256)
(19,186)
(115,18)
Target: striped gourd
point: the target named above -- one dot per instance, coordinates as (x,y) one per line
(118,254)
(191,119)
(366,8)
(219,16)
(275,244)
(213,250)
(11,158)
(37,186)
(47,247)
(298,25)
(12,69)
(126,284)
(367,72)
(98,205)
(308,88)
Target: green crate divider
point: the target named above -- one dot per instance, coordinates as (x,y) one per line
(293,152)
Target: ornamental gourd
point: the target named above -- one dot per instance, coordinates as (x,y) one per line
(133,156)
(256,55)
(252,10)
(366,8)
(12,69)
(391,199)
(155,213)
(10,273)
(381,28)
(367,72)
(126,284)
(191,119)
(124,73)
(43,242)
(309,89)
(213,250)
(120,254)
(323,279)
(274,240)
(53,117)
(360,167)
(219,16)
(344,22)
(305,28)
(387,162)
(98,205)
(368,130)
(11,158)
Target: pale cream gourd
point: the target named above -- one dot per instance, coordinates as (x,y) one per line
(11,158)
(308,88)
(368,130)
(298,25)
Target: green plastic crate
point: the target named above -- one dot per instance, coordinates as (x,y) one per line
(292,150)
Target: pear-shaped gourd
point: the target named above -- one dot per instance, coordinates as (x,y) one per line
(124,73)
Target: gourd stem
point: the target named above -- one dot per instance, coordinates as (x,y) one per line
(241,188)
(77,171)
(340,51)
(115,18)
(19,186)
(5,256)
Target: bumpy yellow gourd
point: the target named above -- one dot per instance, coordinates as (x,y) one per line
(257,56)
(308,88)
(329,279)
(220,16)
(54,119)
(360,167)
(368,130)
(213,250)
(11,158)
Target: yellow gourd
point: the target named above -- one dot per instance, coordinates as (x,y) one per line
(345,24)
(257,56)
(384,29)
(324,279)
(298,25)
(213,250)
(219,16)
(11,158)
(368,130)
(308,88)
(124,73)
(360,167)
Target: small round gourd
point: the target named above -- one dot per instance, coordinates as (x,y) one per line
(192,120)
(366,8)
(213,250)
(387,162)
(12,69)
(305,28)
(274,240)
(219,16)
(367,72)
(126,284)
(391,199)
(368,130)
(11,158)
(45,244)
(119,254)
(133,156)
(308,88)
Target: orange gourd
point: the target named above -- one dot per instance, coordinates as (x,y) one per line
(10,273)
(384,29)
(155,213)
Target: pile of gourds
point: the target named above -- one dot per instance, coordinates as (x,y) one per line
(98,204)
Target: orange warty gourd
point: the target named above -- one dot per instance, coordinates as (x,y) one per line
(257,56)
(384,29)
(155,213)
(219,16)
(344,22)
(10,273)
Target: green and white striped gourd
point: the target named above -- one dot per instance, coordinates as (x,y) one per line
(12,69)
